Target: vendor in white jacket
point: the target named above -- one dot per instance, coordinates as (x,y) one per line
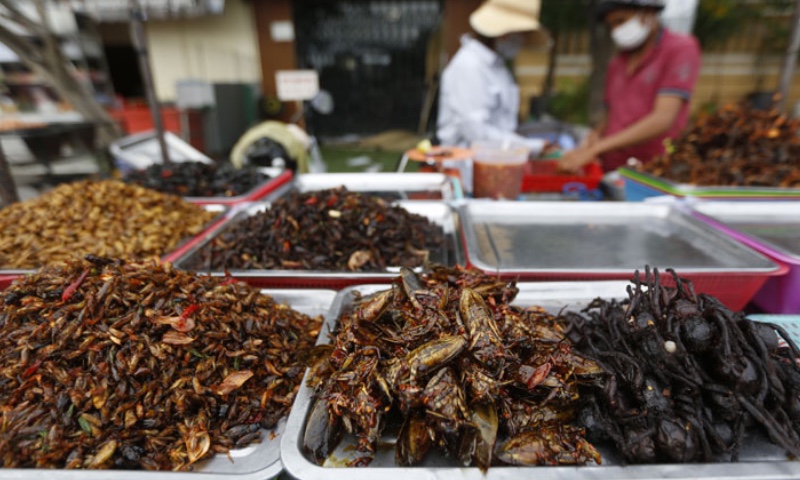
(479,99)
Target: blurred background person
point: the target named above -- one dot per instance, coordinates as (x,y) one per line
(479,97)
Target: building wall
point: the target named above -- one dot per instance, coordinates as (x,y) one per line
(217,49)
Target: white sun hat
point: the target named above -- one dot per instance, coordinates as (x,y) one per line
(496,18)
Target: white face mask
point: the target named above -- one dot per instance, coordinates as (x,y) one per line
(631,34)
(509,46)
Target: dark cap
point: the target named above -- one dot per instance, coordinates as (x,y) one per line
(606,6)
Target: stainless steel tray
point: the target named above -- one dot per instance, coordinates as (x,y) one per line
(759,458)
(773,224)
(438,212)
(598,238)
(221,210)
(259,461)
(277,178)
(391,186)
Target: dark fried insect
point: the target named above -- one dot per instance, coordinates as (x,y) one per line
(136,365)
(197,179)
(333,229)
(446,353)
(689,377)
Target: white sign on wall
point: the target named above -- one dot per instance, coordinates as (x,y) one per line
(282,31)
(294,85)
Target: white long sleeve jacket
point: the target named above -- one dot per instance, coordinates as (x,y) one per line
(479,99)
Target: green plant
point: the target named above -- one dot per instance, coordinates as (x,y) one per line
(719,20)
(568,103)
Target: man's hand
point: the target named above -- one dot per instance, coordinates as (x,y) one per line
(573,161)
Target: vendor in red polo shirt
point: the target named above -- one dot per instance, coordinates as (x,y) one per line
(648,87)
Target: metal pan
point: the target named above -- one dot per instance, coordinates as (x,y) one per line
(519,238)
(442,214)
(759,458)
(550,241)
(221,210)
(258,461)
(391,186)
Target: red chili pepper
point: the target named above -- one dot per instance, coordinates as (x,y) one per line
(166,174)
(332,200)
(32,369)
(70,290)
(286,246)
(229,281)
(188,311)
(312,201)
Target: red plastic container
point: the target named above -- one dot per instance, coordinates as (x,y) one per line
(5,281)
(543,176)
(138,119)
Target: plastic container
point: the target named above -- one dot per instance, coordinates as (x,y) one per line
(640,185)
(780,294)
(498,168)
(543,176)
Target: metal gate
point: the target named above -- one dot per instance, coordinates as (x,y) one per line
(370,55)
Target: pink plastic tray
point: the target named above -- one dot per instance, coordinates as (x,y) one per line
(780,294)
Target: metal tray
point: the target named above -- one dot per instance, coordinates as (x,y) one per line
(221,210)
(759,458)
(391,186)
(442,214)
(259,461)
(277,178)
(599,238)
(773,224)
(668,187)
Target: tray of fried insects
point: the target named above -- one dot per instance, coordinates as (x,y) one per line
(449,408)
(389,186)
(221,212)
(257,461)
(441,235)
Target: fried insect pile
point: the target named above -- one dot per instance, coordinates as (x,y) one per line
(445,358)
(107,218)
(135,365)
(689,377)
(735,146)
(331,229)
(197,179)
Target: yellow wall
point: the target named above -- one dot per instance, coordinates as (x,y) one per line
(724,78)
(217,49)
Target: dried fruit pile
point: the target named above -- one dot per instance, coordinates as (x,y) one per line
(105,218)
(735,146)
(134,365)
(332,229)
(446,357)
(688,377)
(197,179)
